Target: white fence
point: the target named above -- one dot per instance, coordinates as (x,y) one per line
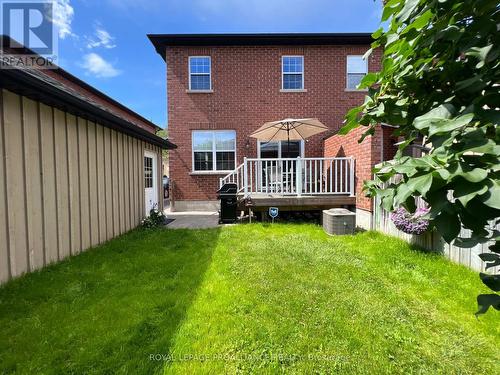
(432,241)
(294,176)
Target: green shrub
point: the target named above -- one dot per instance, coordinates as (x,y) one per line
(155,219)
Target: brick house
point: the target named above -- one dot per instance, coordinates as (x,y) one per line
(222,87)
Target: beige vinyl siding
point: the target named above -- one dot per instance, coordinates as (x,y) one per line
(92,156)
(66,184)
(4,235)
(101,183)
(74,183)
(33,183)
(84,180)
(62,183)
(114,183)
(14,162)
(121,172)
(48,205)
(107,216)
(135,184)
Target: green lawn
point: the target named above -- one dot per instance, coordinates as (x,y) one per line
(248,298)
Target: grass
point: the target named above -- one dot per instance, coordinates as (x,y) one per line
(245,299)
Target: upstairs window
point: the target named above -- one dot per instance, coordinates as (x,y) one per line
(292,70)
(200,73)
(357,68)
(214,150)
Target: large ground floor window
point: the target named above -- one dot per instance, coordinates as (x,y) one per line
(214,150)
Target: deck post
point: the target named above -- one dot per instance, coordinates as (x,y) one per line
(352,177)
(245,176)
(298,176)
(220,182)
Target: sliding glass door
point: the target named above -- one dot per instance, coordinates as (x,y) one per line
(281,149)
(278,176)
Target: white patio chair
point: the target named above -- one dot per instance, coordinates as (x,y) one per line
(274,179)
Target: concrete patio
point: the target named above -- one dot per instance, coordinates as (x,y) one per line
(192,219)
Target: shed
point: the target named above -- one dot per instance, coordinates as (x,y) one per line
(77,168)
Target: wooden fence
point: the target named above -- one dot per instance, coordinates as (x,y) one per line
(432,241)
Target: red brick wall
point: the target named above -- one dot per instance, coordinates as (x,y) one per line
(246,83)
(373,150)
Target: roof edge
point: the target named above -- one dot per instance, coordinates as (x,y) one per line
(160,41)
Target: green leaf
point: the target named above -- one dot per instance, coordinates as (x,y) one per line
(491,281)
(408,8)
(390,8)
(473,84)
(444,111)
(368,80)
(495,247)
(475,175)
(485,301)
(480,54)
(492,197)
(446,126)
(443,173)
(378,33)
(492,259)
(402,194)
(420,22)
(448,225)
(466,242)
(465,191)
(351,121)
(422,184)
(367,54)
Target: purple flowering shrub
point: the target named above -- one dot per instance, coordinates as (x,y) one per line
(411,223)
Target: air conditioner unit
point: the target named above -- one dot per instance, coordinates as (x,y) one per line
(338,221)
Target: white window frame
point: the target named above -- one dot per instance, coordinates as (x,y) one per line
(154,166)
(280,146)
(347,72)
(200,74)
(214,152)
(283,73)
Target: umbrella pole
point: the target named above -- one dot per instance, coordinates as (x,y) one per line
(288,142)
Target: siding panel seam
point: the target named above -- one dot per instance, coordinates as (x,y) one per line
(23,137)
(42,190)
(68,181)
(4,161)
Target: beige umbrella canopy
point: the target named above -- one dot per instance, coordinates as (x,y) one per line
(289,129)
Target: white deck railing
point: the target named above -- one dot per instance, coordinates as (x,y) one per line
(300,176)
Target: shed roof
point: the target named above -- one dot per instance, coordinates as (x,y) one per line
(51,87)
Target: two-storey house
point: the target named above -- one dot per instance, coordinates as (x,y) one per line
(222,87)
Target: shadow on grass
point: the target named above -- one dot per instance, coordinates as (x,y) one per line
(106,310)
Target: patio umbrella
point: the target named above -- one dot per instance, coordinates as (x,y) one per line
(289,129)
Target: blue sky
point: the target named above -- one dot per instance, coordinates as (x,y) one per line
(104,42)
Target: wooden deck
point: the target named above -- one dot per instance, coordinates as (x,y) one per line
(260,202)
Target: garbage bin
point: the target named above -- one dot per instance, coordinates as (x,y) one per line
(228,203)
